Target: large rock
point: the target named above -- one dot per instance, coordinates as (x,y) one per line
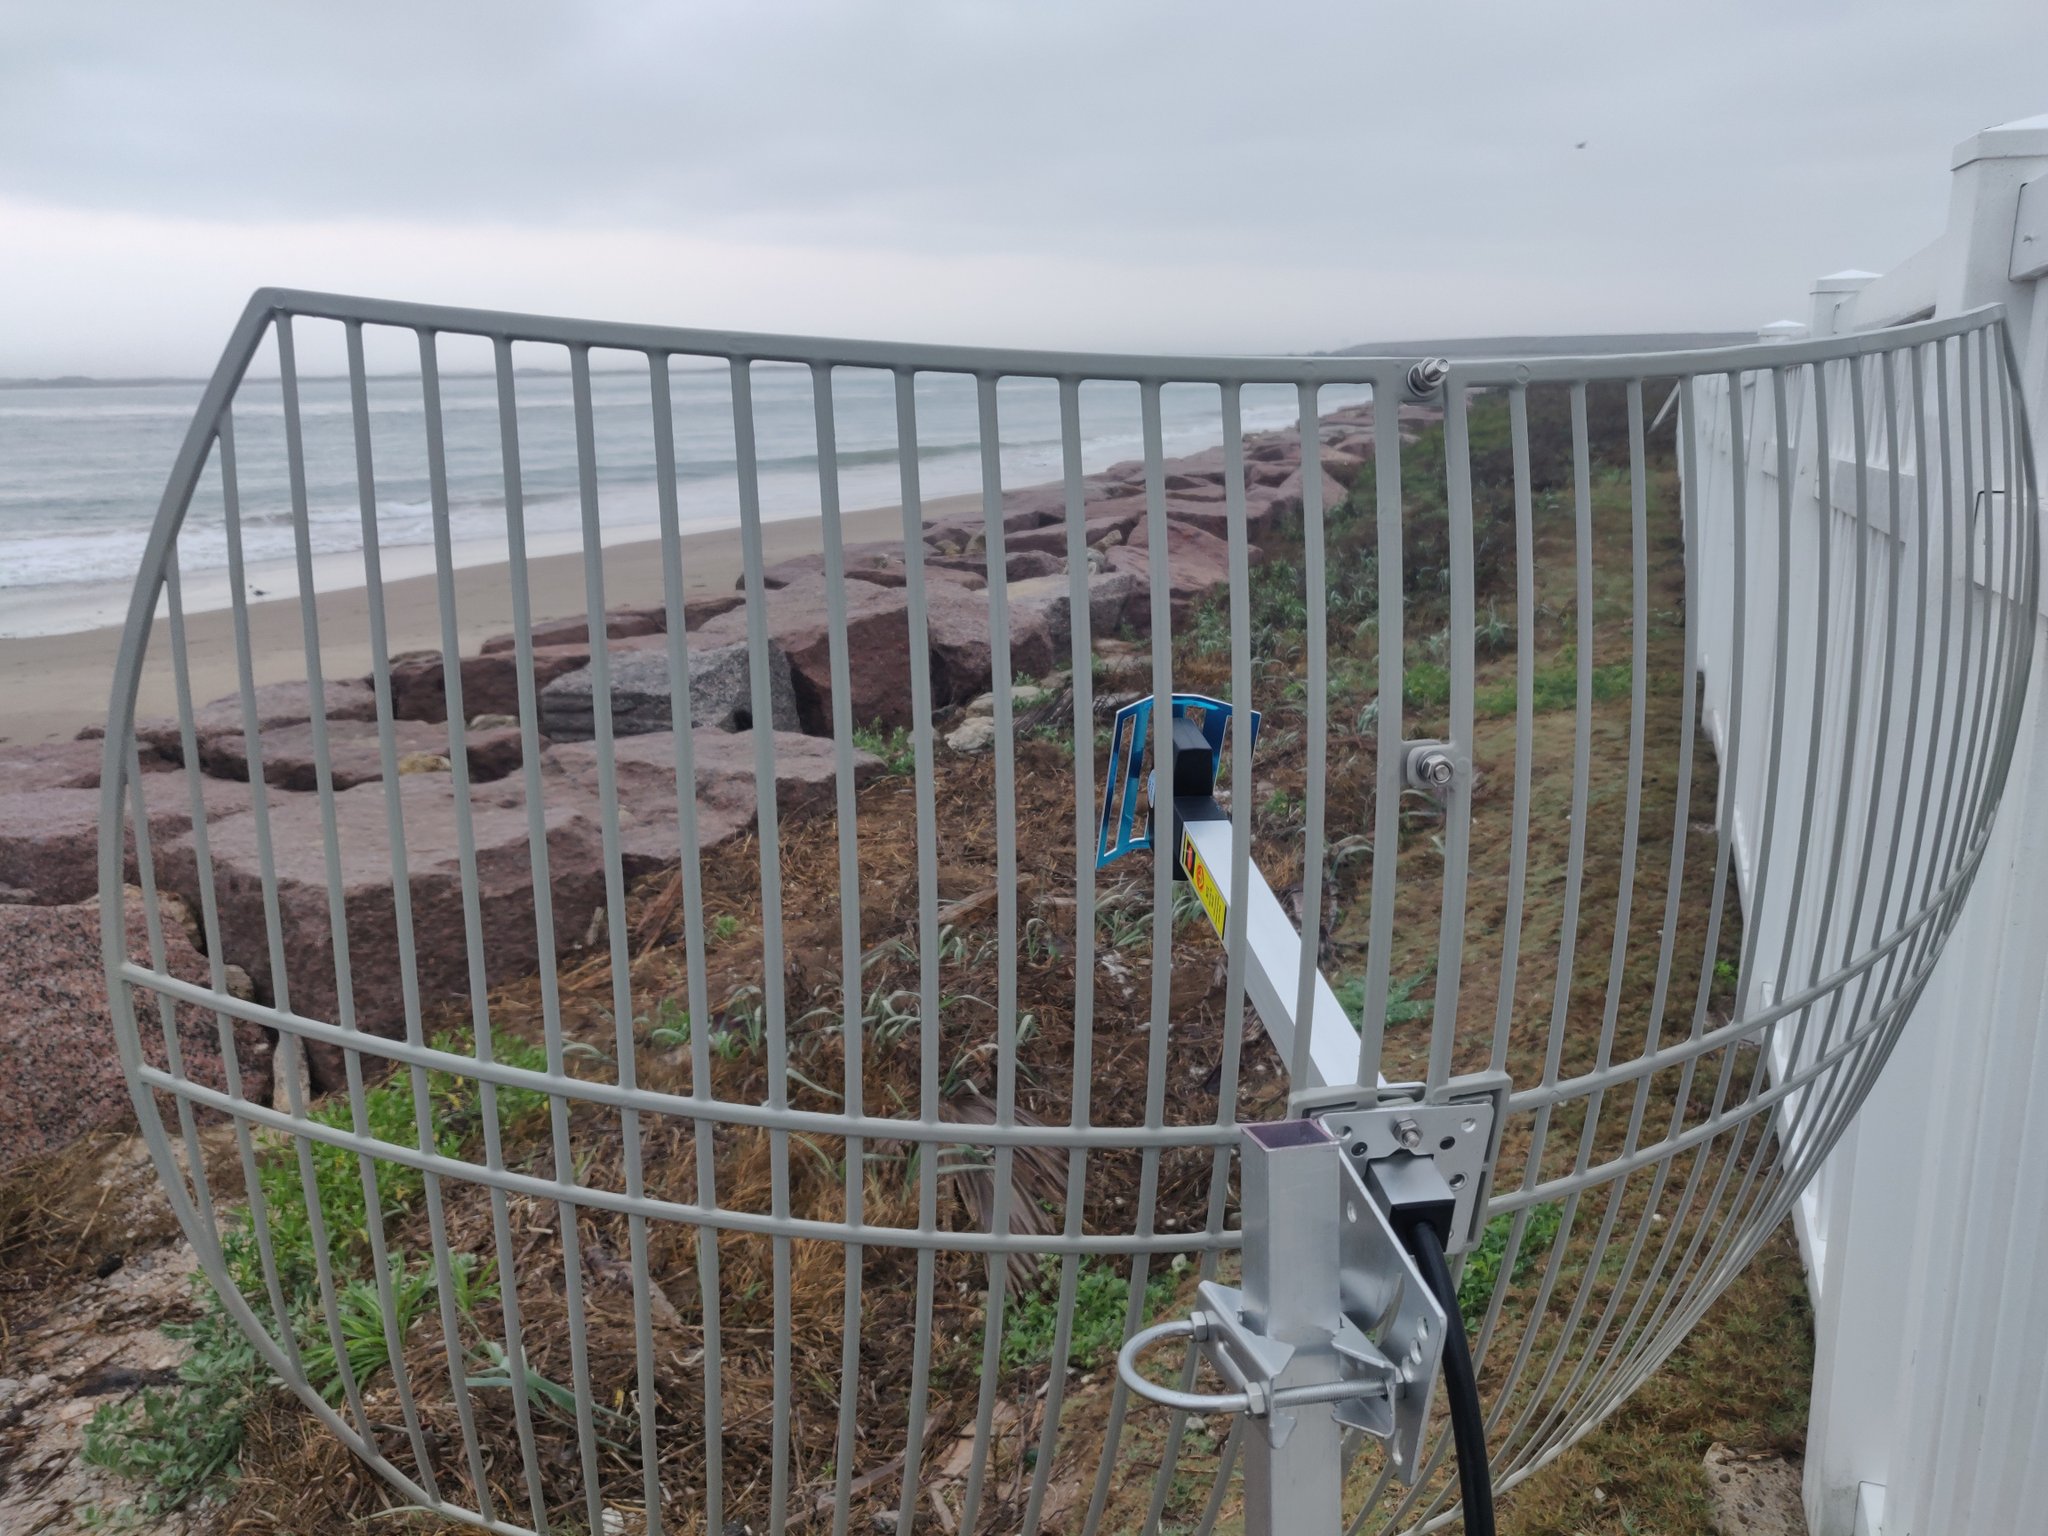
(1050,540)
(64,764)
(877,640)
(1198,565)
(50,838)
(957,628)
(721,692)
(1284,492)
(490,682)
(961,533)
(619,624)
(277,704)
(1024,564)
(355,752)
(63,1077)
(644,771)
(880,562)
(1114,522)
(505,886)
(1114,599)
(1343,467)
(878,646)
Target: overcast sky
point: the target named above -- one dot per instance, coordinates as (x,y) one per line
(1180,177)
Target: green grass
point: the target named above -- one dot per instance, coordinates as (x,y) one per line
(361,1312)
(180,1440)
(1741,1377)
(453,1105)
(1482,1264)
(1403,1006)
(892,744)
(1554,687)
(1101,1297)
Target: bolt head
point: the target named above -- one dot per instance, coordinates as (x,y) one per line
(1408,1133)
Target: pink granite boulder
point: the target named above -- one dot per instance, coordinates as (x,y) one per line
(277,704)
(505,884)
(50,838)
(1115,598)
(64,764)
(644,771)
(1198,565)
(355,752)
(619,624)
(63,1077)
(490,682)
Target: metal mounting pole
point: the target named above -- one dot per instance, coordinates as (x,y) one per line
(1293,1458)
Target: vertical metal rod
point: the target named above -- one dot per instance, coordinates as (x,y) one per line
(336,914)
(289,1064)
(927,933)
(1080,660)
(690,871)
(566,1212)
(852,1023)
(408,967)
(568,1209)
(543,906)
(1450,949)
(472,928)
(624,1046)
(1525,683)
(1386,837)
(1239,876)
(284,1334)
(166,1005)
(1316,742)
(1157,557)
(989,427)
(768,827)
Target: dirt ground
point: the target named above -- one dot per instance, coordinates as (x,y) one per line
(1740,1378)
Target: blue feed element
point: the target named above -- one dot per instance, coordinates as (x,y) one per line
(1120,831)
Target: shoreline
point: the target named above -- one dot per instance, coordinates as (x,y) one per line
(54,685)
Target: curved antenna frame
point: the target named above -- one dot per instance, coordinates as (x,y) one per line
(1826,1072)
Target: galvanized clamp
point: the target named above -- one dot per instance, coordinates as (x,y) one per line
(1334,1309)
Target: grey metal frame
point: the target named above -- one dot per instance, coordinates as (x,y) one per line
(1865,924)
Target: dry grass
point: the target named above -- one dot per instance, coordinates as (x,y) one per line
(1748,1366)
(1741,1377)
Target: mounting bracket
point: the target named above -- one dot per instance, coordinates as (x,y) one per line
(1335,1327)
(1458,1126)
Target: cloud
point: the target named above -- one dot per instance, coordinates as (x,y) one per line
(1292,174)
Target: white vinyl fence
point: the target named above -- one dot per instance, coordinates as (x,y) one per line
(1925,1233)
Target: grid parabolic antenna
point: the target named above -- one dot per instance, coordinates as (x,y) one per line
(801,1149)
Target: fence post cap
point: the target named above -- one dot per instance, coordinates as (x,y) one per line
(1781,330)
(2024,137)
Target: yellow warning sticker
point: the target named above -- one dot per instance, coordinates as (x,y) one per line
(1205,885)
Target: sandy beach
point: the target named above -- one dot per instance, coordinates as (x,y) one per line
(53,685)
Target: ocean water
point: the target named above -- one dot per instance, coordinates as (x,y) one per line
(83,467)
